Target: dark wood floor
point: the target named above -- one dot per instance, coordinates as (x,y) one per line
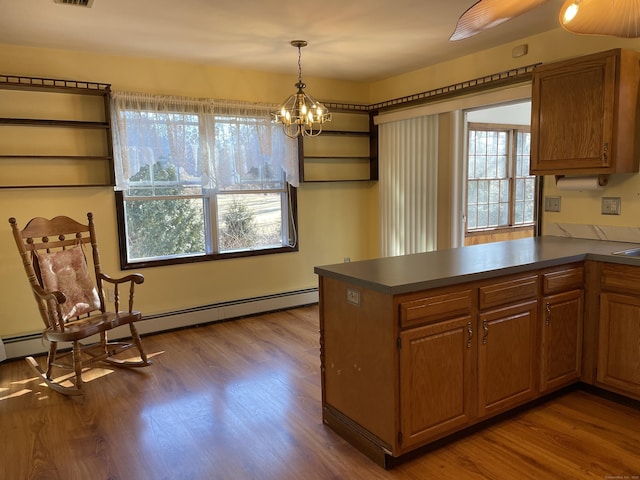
(241,400)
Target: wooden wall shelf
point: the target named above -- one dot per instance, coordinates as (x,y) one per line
(346,152)
(57,133)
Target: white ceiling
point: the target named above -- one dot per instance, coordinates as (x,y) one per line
(361,40)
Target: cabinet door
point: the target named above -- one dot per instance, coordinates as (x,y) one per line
(572,116)
(619,343)
(506,357)
(561,359)
(436,380)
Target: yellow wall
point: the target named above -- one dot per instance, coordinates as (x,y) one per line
(577,207)
(547,47)
(337,220)
(332,216)
(584,207)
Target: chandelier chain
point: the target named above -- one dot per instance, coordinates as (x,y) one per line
(299,64)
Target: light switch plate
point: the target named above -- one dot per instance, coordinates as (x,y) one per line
(551,204)
(610,206)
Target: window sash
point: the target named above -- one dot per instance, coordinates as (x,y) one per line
(499,195)
(262,160)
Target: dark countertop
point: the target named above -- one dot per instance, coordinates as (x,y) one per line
(422,271)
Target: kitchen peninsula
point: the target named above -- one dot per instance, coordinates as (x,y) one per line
(415,348)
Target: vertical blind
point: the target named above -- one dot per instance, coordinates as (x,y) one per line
(408,185)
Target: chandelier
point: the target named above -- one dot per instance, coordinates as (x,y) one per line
(301,114)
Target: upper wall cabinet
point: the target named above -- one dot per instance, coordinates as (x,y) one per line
(584,115)
(346,150)
(54,133)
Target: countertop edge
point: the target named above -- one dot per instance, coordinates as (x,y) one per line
(602,253)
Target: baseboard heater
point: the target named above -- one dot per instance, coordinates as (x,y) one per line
(32,344)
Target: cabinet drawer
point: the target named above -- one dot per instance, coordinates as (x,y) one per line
(510,291)
(435,307)
(563,280)
(620,278)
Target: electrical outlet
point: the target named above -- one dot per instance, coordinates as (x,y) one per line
(610,206)
(353,296)
(551,204)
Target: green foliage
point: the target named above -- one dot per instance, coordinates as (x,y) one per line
(163,227)
(239,227)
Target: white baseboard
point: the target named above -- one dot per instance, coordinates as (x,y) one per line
(23,346)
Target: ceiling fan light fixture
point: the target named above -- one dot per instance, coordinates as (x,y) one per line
(486,14)
(616,18)
(570,13)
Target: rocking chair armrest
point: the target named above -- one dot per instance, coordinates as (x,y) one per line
(55,295)
(131,280)
(136,278)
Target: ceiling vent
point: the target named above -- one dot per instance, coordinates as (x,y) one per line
(79,3)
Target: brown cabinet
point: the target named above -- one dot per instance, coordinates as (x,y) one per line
(561,354)
(561,327)
(437,364)
(402,371)
(437,361)
(457,365)
(507,344)
(618,358)
(507,358)
(584,115)
(359,362)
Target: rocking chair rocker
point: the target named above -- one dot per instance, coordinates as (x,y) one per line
(71,306)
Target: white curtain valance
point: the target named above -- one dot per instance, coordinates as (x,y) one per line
(185,131)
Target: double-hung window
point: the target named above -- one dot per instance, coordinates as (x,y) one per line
(201,180)
(500,192)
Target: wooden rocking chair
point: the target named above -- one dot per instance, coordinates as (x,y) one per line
(72,308)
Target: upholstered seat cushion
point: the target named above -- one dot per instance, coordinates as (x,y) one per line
(66,271)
